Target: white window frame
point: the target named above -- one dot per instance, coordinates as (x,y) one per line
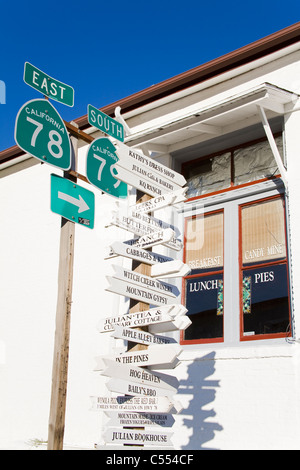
(230,202)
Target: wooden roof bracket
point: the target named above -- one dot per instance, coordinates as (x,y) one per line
(273,146)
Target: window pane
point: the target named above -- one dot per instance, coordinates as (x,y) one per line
(204,301)
(209,175)
(263,232)
(204,242)
(255,162)
(265,300)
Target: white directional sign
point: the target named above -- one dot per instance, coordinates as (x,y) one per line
(139,375)
(131,388)
(134,419)
(141,228)
(175,268)
(155,223)
(135,292)
(138,319)
(139,176)
(143,185)
(151,356)
(137,436)
(131,155)
(160,202)
(141,280)
(139,254)
(141,404)
(140,336)
(179,323)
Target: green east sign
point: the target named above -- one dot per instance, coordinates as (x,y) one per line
(100,168)
(73,202)
(41,132)
(105,123)
(47,85)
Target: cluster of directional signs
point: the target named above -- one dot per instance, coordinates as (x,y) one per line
(144,394)
(147,395)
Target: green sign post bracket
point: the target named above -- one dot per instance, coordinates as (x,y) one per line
(73,202)
(47,85)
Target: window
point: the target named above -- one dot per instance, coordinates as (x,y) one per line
(203,288)
(235,245)
(265,307)
(226,170)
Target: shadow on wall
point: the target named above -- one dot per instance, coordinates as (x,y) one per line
(203,392)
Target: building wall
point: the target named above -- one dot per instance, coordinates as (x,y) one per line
(235,396)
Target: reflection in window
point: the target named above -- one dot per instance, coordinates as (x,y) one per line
(232,168)
(204,301)
(204,236)
(265,291)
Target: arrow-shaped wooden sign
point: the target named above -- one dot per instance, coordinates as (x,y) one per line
(134,419)
(130,155)
(179,323)
(143,281)
(139,404)
(170,269)
(140,336)
(160,202)
(139,375)
(142,229)
(132,388)
(139,254)
(139,319)
(144,180)
(137,436)
(148,357)
(151,356)
(135,292)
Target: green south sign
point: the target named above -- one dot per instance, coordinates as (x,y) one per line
(105,123)
(41,132)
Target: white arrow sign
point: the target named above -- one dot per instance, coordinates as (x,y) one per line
(80,203)
(179,323)
(161,201)
(141,178)
(127,154)
(144,281)
(137,436)
(151,356)
(134,419)
(141,184)
(170,269)
(139,254)
(135,292)
(141,225)
(139,375)
(143,318)
(160,237)
(140,336)
(134,389)
(141,404)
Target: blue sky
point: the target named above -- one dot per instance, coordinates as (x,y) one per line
(109,50)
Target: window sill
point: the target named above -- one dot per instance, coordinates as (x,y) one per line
(263,349)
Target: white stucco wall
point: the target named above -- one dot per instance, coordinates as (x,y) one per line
(235,396)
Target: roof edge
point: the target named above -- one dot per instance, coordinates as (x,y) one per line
(253,51)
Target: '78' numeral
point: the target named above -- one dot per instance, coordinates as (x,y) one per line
(53,142)
(102,164)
